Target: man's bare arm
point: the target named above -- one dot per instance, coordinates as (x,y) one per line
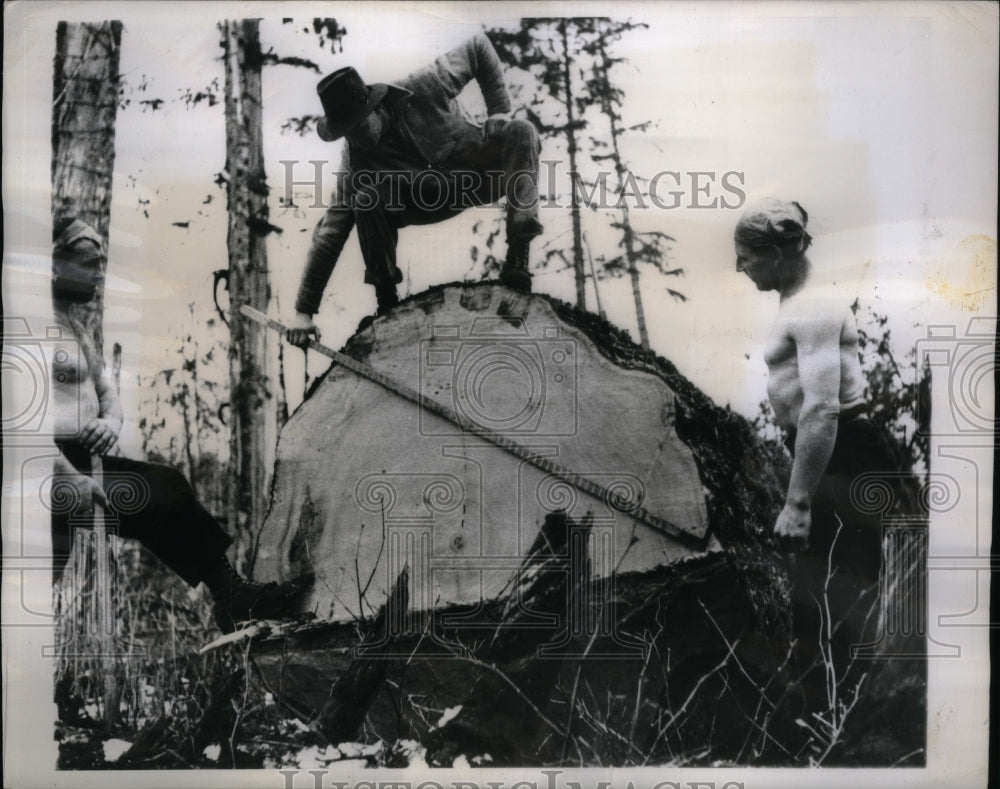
(100,434)
(817,344)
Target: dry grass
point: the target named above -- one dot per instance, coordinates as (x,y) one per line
(178,708)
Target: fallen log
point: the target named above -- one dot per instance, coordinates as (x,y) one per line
(353,692)
(506,710)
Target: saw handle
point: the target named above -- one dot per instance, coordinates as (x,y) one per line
(300,329)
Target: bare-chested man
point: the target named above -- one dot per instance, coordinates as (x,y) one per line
(163,513)
(817,392)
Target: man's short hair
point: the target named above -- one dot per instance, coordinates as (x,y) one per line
(774,223)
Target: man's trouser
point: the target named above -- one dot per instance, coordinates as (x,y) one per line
(150,503)
(835,581)
(503,166)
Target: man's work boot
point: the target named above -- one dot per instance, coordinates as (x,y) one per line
(515,274)
(239,600)
(386,297)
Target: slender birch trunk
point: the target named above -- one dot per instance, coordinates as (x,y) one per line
(579,273)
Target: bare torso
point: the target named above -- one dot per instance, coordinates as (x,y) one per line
(782,355)
(74,392)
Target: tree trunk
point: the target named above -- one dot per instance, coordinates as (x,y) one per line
(633,273)
(628,237)
(84,105)
(116,366)
(571,147)
(194,446)
(251,418)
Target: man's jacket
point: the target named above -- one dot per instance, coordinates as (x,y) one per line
(427,128)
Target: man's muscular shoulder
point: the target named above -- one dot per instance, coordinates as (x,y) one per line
(813,312)
(814,329)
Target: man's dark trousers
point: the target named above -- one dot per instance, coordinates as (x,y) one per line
(148,502)
(505,165)
(835,581)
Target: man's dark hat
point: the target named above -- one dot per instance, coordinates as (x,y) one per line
(347,101)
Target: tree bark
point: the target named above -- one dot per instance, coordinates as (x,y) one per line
(579,273)
(628,236)
(116,366)
(633,271)
(247,192)
(84,106)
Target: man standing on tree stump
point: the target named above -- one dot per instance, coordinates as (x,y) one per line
(412,158)
(817,392)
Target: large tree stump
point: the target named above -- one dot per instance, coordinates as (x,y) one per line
(499,617)
(367,481)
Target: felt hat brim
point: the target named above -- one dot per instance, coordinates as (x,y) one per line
(333,130)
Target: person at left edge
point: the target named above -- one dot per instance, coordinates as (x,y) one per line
(163,512)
